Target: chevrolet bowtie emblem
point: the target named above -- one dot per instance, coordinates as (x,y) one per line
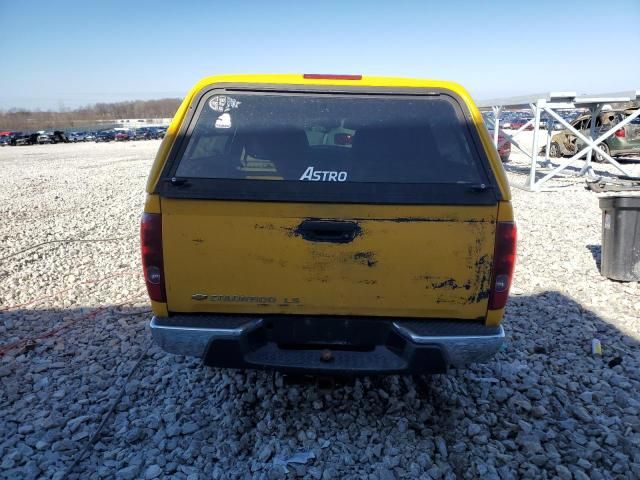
(198,296)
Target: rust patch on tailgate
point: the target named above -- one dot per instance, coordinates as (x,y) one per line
(483,279)
(366,258)
(480,268)
(452,284)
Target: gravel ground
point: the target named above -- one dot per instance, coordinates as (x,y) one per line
(544,408)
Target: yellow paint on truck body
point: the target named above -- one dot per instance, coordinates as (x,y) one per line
(152,204)
(409,260)
(159,309)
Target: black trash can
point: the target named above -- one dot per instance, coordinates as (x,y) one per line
(620,238)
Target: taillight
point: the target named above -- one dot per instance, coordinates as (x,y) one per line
(152,264)
(504,259)
(620,133)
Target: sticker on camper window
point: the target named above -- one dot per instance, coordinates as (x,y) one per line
(223,121)
(222,103)
(323,175)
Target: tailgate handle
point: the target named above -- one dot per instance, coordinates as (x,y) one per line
(335,231)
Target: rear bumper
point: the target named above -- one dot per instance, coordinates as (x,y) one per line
(350,345)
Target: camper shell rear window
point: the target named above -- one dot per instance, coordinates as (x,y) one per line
(367,148)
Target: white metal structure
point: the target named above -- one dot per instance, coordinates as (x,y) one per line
(551,103)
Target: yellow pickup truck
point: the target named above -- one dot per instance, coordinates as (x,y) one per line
(328,224)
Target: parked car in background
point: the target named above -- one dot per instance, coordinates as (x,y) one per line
(45,137)
(90,137)
(625,141)
(105,136)
(517,123)
(548,123)
(143,133)
(77,137)
(57,136)
(156,132)
(149,133)
(543,123)
(28,139)
(122,136)
(9,138)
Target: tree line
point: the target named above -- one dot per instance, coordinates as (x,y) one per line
(22,119)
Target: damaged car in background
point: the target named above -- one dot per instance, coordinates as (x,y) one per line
(625,141)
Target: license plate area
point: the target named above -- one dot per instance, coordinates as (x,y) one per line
(317,333)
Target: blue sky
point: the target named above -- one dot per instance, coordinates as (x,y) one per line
(71,53)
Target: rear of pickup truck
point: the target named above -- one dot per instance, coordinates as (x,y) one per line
(328,224)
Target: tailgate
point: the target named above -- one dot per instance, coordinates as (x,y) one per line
(411,261)
(320,203)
